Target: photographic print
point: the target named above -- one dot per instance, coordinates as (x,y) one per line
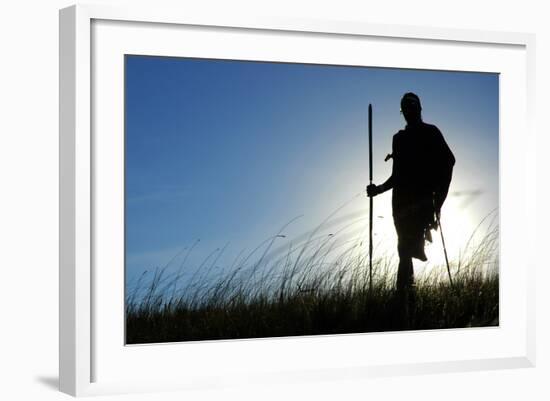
(271,199)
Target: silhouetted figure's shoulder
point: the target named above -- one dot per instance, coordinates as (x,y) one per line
(431,129)
(397,138)
(424,130)
(420,127)
(428,126)
(441,147)
(398,134)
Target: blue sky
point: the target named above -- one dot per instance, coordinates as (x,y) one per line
(229,151)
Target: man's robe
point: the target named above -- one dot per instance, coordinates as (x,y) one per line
(421,175)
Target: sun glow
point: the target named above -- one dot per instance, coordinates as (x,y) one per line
(457,228)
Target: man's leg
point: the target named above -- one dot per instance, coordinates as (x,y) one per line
(405,287)
(405,273)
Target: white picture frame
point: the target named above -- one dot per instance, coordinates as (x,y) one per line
(82,344)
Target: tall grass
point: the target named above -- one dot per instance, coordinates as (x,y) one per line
(320,285)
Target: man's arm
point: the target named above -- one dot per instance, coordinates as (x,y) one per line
(373,190)
(386,186)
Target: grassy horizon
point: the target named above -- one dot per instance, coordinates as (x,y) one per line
(318,286)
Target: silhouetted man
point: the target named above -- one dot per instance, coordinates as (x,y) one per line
(420,179)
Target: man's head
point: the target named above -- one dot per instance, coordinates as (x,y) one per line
(411,108)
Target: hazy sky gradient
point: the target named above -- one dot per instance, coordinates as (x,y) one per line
(229,151)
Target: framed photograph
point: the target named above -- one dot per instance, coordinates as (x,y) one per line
(270,200)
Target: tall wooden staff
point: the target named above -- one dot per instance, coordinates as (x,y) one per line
(370,198)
